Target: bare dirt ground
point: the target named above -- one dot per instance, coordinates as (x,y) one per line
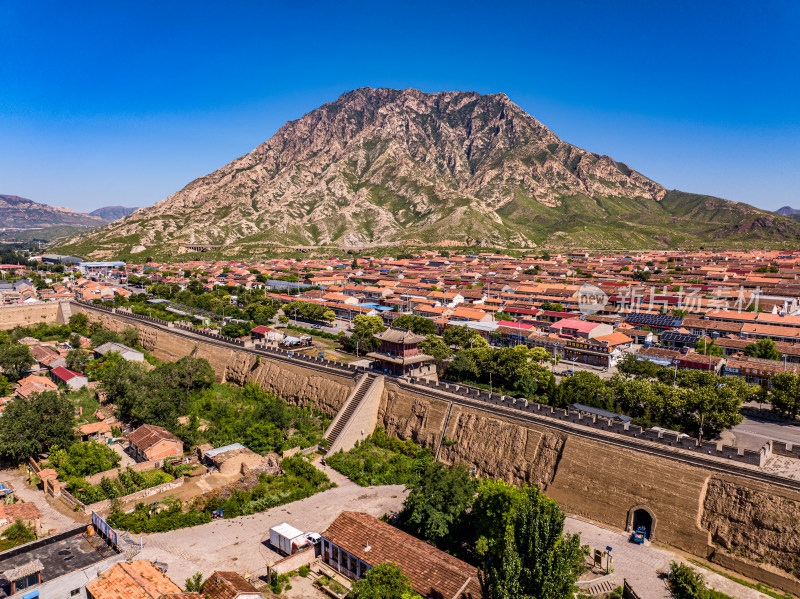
(242,545)
(56,515)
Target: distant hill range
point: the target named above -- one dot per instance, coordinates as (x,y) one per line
(391,168)
(789,212)
(112,213)
(24,220)
(22,213)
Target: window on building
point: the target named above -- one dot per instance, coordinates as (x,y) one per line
(335,554)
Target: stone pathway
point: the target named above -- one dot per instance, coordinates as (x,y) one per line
(642,565)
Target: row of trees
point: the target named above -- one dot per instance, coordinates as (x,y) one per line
(699,401)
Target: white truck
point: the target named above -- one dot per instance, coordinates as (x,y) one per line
(287,539)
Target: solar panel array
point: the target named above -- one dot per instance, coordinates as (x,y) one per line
(678,338)
(664,321)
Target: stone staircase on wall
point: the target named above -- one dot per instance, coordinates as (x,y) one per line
(64,312)
(359,413)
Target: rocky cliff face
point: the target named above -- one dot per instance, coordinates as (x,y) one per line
(381,166)
(754,524)
(22,213)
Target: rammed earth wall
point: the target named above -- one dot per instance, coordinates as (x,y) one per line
(594,469)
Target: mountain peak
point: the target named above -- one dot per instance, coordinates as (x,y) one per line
(381,166)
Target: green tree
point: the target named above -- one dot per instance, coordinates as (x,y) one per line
(630,365)
(104,336)
(76,359)
(129,337)
(416,324)
(78,323)
(703,347)
(437,501)
(436,347)
(493,514)
(195,583)
(685,582)
(15,359)
(538,560)
(362,339)
(462,337)
(585,388)
(763,348)
(31,426)
(714,408)
(5,386)
(83,459)
(384,581)
(552,306)
(784,394)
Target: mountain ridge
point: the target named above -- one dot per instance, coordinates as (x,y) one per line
(380,167)
(112,213)
(21,213)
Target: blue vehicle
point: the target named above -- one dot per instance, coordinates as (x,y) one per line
(640,535)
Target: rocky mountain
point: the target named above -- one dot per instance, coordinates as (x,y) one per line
(386,167)
(789,212)
(22,213)
(112,213)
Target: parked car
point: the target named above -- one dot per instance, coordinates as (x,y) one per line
(640,535)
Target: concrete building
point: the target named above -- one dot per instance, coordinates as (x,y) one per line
(40,568)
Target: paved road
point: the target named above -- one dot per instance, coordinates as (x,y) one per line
(753,433)
(240,544)
(643,565)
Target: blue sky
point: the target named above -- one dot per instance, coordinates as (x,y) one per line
(125,102)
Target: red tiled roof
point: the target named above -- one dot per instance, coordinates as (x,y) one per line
(433,573)
(226,585)
(135,580)
(148,435)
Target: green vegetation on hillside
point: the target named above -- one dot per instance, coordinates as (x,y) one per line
(380,460)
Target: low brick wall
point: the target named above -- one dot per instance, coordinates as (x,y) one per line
(103,506)
(762,572)
(113,474)
(291,562)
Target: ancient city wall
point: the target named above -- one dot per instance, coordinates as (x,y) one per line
(28,314)
(299,384)
(730,513)
(717,515)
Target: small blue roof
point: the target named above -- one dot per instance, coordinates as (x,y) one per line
(211,453)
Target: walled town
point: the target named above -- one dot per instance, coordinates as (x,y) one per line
(312,426)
